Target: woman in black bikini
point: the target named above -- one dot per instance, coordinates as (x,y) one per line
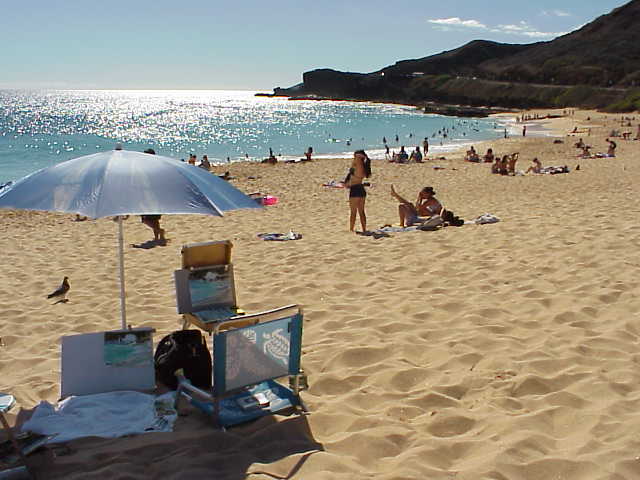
(360,169)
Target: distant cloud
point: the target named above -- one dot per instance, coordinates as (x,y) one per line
(522,28)
(457,22)
(555,13)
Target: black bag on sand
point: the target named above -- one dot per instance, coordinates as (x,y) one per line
(185,349)
(451,219)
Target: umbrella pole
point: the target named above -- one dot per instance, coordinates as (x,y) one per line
(123,311)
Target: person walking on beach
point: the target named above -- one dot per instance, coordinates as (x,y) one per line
(360,169)
(425,146)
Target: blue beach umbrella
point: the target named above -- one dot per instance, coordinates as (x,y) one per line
(121,182)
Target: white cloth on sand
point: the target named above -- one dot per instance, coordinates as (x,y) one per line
(106,415)
(483,219)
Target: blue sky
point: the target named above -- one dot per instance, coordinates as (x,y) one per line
(252,45)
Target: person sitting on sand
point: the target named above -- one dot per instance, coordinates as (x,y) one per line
(585,151)
(205,164)
(489,157)
(472,156)
(425,207)
(271,159)
(308,154)
(416,155)
(503,167)
(579,144)
(611,151)
(511,166)
(497,163)
(536,167)
(402,156)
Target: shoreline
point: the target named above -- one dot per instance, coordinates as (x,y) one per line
(24,154)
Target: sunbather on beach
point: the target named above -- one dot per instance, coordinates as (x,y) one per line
(425,207)
(205,164)
(503,165)
(416,156)
(400,157)
(536,167)
(585,152)
(308,154)
(511,166)
(611,151)
(497,162)
(360,169)
(472,156)
(489,157)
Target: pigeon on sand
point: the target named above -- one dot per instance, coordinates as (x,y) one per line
(61,291)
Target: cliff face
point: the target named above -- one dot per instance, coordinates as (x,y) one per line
(603,58)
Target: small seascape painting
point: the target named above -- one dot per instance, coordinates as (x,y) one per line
(211,286)
(128,349)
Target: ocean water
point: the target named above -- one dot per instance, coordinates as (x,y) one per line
(41,128)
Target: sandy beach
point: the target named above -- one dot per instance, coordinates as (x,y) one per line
(506,351)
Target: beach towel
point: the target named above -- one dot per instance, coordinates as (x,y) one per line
(555,170)
(333,184)
(106,415)
(263,199)
(483,219)
(280,237)
(377,234)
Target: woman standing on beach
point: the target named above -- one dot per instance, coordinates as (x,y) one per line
(360,169)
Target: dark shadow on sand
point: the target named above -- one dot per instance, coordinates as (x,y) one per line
(150,244)
(195,449)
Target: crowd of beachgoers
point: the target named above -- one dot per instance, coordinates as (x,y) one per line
(514,343)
